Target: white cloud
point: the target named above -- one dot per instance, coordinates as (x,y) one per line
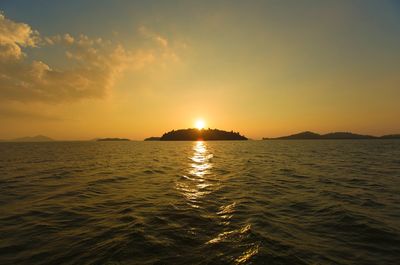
(13,36)
(96,65)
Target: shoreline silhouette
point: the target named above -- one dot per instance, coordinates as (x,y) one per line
(308,135)
(153,138)
(37,138)
(112,140)
(192,134)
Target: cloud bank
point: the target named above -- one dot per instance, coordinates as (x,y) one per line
(94,64)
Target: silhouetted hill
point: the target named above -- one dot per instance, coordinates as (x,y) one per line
(153,138)
(112,139)
(391,136)
(346,135)
(302,135)
(37,138)
(206,135)
(331,136)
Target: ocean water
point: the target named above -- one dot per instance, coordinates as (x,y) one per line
(254,202)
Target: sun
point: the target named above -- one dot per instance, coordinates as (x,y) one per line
(200,124)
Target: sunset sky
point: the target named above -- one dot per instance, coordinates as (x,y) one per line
(95,68)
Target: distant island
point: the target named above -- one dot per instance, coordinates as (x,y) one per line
(332,136)
(37,138)
(390,136)
(112,139)
(192,134)
(153,138)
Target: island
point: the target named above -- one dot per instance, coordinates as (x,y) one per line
(153,138)
(307,135)
(112,139)
(390,136)
(193,134)
(37,138)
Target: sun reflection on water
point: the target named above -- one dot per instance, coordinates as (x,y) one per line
(198,187)
(195,184)
(201,160)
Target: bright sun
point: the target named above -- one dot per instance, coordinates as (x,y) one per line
(200,124)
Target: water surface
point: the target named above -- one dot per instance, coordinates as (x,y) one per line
(254,202)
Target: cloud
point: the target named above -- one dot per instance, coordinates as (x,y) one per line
(160,40)
(93,65)
(13,36)
(167,49)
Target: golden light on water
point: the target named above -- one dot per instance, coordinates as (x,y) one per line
(195,185)
(200,158)
(195,80)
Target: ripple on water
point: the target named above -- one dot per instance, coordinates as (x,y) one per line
(255,202)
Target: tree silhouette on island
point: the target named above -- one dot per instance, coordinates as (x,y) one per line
(192,134)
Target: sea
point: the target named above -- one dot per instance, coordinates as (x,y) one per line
(218,202)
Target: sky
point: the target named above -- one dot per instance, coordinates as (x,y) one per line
(76,70)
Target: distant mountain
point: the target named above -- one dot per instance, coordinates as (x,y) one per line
(38,138)
(391,136)
(112,139)
(196,134)
(331,136)
(302,135)
(346,135)
(153,138)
